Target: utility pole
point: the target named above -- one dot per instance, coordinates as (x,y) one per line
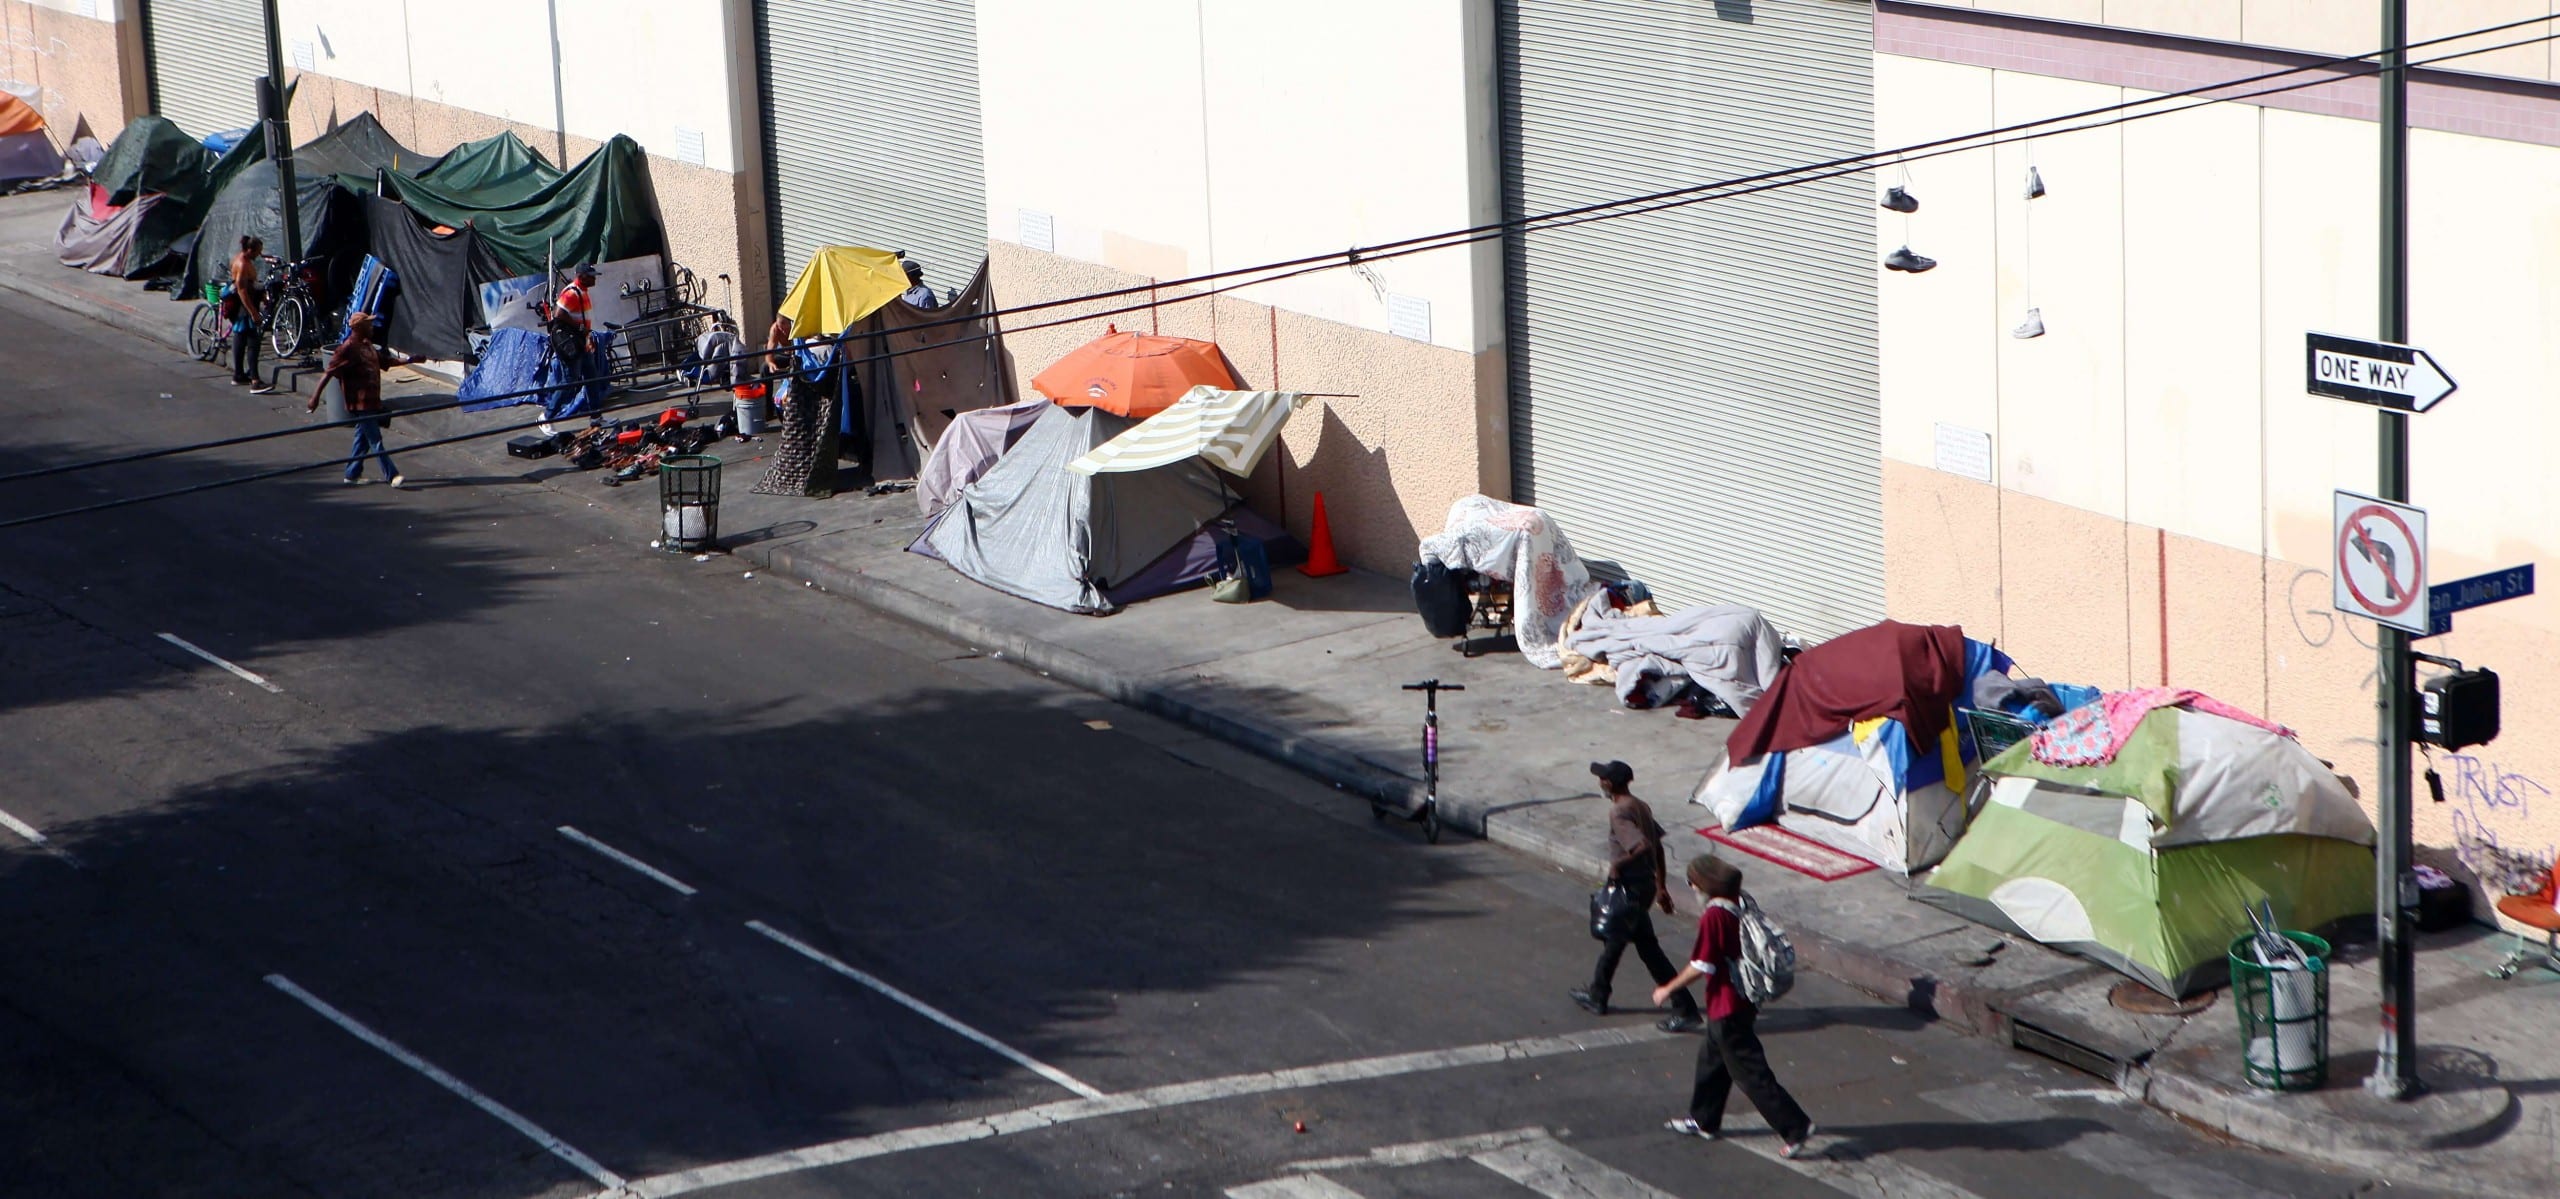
(2395,1071)
(279,133)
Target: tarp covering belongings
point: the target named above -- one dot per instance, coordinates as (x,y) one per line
(145,200)
(2148,862)
(1730,650)
(969,449)
(26,149)
(1032,528)
(252,204)
(499,168)
(911,370)
(1134,374)
(1850,765)
(1523,547)
(840,285)
(437,297)
(359,146)
(604,208)
(1230,430)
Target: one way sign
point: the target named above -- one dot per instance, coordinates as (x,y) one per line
(2374,372)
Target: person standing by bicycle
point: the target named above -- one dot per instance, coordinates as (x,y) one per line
(357,365)
(248,308)
(1636,865)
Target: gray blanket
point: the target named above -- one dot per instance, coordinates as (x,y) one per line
(1728,649)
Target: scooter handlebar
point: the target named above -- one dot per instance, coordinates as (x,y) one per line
(1433,685)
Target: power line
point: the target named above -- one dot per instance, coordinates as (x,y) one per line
(1542,222)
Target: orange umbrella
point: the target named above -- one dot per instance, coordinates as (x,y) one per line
(1135,374)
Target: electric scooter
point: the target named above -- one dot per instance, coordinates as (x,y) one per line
(1427,814)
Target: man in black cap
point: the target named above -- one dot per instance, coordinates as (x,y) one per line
(1635,863)
(573,331)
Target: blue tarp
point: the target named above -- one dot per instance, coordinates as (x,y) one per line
(519,360)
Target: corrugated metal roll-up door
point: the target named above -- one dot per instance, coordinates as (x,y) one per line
(206,57)
(871,132)
(1693,390)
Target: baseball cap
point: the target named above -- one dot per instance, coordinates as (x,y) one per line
(1614,773)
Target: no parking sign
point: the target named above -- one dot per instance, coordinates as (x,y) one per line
(2379,569)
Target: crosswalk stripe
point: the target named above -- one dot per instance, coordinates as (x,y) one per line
(1302,1186)
(1556,1172)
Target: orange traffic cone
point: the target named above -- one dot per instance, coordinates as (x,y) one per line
(1320,559)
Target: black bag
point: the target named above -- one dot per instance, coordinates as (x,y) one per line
(1611,907)
(1440,595)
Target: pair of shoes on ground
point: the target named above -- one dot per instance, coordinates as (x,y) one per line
(1598,1006)
(263,389)
(395,481)
(1688,1127)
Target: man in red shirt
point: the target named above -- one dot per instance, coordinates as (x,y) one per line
(1732,1052)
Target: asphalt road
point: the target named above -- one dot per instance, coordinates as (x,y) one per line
(919,923)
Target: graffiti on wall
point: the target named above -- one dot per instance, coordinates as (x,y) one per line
(2491,805)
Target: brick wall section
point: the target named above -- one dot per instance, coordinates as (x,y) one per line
(2512,110)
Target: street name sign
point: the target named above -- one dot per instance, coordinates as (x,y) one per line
(2380,373)
(2445,599)
(2379,570)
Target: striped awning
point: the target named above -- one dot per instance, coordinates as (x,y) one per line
(1231,429)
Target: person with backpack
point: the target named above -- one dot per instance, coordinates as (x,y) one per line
(1745,961)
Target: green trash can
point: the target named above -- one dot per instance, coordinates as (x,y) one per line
(2284,1016)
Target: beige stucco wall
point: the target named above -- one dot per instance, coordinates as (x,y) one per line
(2159,431)
(76,64)
(1390,459)
(2321,26)
(699,204)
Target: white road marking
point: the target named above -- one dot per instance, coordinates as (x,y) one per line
(1303,1186)
(625,859)
(22,828)
(2172,1176)
(1068,1111)
(928,1011)
(1550,1169)
(1417,1152)
(193,648)
(559,1148)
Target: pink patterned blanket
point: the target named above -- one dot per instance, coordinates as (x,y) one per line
(2092,734)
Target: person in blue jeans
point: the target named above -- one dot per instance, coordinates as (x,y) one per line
(248,303)
(357,365)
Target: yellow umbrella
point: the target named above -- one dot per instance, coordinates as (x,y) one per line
(841,285)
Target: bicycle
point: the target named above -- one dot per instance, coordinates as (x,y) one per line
(1427,813)
(294,315)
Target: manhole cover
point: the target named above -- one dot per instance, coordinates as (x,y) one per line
(2137,998)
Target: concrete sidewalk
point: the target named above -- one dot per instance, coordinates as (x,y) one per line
(1311,678)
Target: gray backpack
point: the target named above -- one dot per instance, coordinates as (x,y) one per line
(1766,968)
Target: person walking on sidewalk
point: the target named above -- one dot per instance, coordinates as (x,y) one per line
(357,365)
(1635,864)
(1731,1053)
(246,307)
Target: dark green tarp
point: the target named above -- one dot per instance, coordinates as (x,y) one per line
(603,210)
(493,168)
(153,155)
(358,146)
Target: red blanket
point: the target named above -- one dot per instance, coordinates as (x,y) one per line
(1906,671)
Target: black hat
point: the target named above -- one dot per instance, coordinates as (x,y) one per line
(586,270)
(1616,774)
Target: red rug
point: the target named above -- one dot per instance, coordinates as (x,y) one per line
(1803,855)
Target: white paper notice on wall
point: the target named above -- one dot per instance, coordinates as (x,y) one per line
(689,145)
(302,55)
(1039,230)
(1963,451)
(1409,316)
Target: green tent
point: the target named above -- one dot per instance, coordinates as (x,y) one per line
(530,214)
(154,155)
(2149,862)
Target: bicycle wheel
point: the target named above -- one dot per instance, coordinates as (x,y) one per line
(204,333)
(290,327)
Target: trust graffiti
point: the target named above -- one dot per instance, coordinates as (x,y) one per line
(2490,806)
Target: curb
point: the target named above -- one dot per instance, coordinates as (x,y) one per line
(1346,771)
(122,317)
(2304,1127)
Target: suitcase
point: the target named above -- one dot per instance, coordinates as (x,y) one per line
(531,446)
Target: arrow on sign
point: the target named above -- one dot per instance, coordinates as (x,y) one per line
(2381,373)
